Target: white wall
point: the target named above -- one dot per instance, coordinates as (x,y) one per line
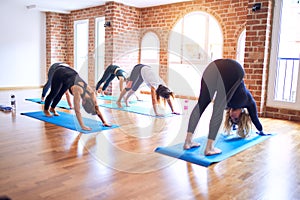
(22,46)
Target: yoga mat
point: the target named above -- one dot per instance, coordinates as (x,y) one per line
(69,121)
(137,108)
(114,98)
(230,145)
(61,104)
(108,97)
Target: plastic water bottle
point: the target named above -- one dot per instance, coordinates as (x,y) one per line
(13,101)
(186,107)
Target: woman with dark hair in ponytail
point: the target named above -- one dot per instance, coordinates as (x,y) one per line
(144,73)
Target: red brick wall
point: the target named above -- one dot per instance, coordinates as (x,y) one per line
(281,113)
(257,51)
(123,36)
(56,38)
(129,24)
(231,16)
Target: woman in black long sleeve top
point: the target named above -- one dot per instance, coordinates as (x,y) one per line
(222,82)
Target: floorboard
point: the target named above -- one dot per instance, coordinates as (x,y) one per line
(43,161)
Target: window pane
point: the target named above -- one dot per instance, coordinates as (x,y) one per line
(81,48)
(195,40)
(100,47)
(288,54)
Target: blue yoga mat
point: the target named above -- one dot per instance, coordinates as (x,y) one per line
(136,108)
(69,121)
(230,145)
(61,104)
(108,97)
(114,98)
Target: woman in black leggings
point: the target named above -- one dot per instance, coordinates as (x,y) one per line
(47,85)
(66,78)
(110,73)
(223,83)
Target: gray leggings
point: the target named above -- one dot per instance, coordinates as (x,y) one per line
(135,79)
(221,78)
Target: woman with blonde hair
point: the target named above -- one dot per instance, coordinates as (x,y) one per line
(222,82)
(244,123)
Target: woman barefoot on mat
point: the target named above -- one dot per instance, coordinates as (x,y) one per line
(139,74)
(65,78)
(225,78)
(110,73)
(46,87)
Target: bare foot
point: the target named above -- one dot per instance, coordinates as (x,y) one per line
(214,151)
(101,92)
(54,112)
(119,104)
(47,113)
(189,145)
(126,103)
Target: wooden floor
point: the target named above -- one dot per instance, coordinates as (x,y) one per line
(43,161)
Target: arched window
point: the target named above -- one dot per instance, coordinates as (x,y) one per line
(150,47)
(195,40)
(240,53)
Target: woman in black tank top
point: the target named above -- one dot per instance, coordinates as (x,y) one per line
(110,73)
(66,78)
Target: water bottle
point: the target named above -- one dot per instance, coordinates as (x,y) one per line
(13,101)
(186,107)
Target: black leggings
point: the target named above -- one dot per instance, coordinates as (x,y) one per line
(107,77)
(63,79)
(220,79)
(49,81)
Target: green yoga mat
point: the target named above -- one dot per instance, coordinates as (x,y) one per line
(69,121)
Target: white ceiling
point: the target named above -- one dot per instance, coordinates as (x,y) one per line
(65,6)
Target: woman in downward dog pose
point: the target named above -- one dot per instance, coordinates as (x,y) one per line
(110,73)
(47,85)
(223,79)
(66,78)
(144,73)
